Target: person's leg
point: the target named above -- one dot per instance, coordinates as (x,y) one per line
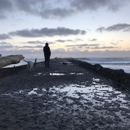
(45,61)
(48,61)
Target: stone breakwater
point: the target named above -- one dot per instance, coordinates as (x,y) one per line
(121,78)
(63,97)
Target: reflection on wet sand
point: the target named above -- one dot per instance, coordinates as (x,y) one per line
(57,74)
(99,103)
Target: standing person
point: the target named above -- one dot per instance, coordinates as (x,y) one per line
(47,54)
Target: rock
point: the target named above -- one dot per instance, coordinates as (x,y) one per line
(10,59)
(120,78)
(64,63)
(0,55)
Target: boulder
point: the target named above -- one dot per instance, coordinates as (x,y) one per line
(10,59)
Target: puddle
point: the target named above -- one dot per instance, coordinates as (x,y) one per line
(76,73)
(97,101)
(57,74)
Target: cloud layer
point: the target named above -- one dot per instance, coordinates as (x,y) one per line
(117,27)
(44,32)
(60,31)
(4,36)
(51,9)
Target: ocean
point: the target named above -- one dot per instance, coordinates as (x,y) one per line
(113,63)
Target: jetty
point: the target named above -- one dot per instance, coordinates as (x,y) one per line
(69,95)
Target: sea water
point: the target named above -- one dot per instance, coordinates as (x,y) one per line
(113,63)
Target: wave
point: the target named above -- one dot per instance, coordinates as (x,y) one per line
(113,63)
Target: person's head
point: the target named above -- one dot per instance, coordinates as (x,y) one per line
(46,44)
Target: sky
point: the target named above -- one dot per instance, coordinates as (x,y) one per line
(73,28)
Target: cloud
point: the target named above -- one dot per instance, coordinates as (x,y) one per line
(32,52)
(96,4)
(101,29)
(77,45)
(62,41)
(35,42)
(50,32)
(5,45)
(58,12)
(90,47)
(29,47)
(2,16)
(43,8)
(92,40)
(4,36)
(117,27)
(78,39)
(6,5)
(82,45)
(104,47)
(52,9)
(113,43)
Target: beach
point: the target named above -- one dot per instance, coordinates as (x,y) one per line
(65,96)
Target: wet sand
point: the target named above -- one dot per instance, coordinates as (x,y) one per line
(65,96)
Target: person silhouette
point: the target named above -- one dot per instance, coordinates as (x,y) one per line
(47,54)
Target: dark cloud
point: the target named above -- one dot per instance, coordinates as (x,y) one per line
(62,41)
(29,47)
(50,32)
(119,27)
(35,42)
(101,29)
(52,9)
(116,27)
(6,6)
(58,12)
(43,8)
(96,4)
(4,36)
(5,45)
(27,6)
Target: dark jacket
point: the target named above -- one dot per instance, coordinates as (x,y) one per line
(46,50)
